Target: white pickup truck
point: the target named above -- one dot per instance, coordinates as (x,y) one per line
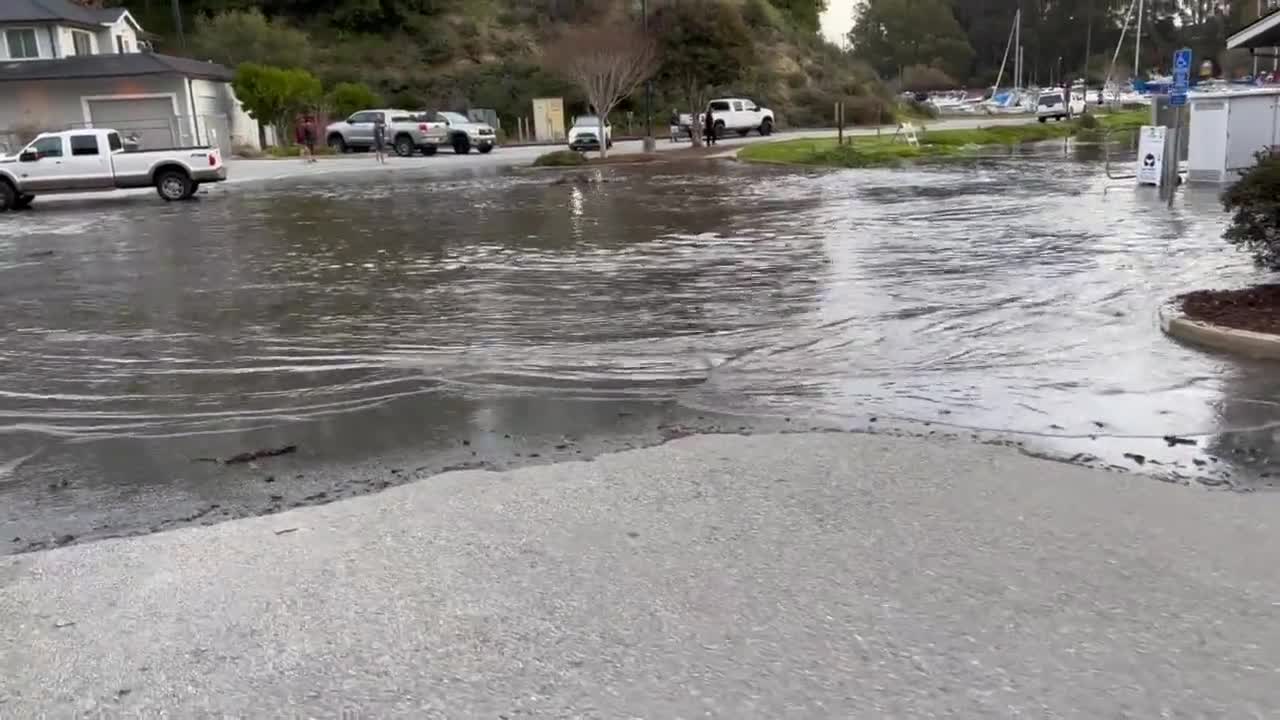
(740,115)
(93,159)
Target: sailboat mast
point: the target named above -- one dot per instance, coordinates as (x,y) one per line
(1008,44)
(1137,42)
(1017,50)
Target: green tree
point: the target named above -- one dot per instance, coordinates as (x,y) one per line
(247,36)
(274,96)
(705,45)
(806,14)
(348,97)
(892,35)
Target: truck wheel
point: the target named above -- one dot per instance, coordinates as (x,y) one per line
(1042,119)
(22,202)
(8,196)
(766,127)
(461,144)
(173,185)
(719,128)
(485,149)
(404,145)
(429,150)
(337,143)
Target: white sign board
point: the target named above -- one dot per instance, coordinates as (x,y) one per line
(1151,155)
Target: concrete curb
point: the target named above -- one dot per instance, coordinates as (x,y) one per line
(1243,342)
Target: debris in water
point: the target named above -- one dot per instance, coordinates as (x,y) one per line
(259,454)
(41,254)
(64,623)
(1175,440)
(286,531)
(1140,459)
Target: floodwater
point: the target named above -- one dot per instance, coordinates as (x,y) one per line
(392,329)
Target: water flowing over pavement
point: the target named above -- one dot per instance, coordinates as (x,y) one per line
(396,326)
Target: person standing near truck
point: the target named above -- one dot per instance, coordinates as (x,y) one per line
(710,125)
(380,136)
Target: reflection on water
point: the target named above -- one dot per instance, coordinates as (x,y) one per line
(1016,295)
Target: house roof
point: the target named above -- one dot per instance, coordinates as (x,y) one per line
(123,65)
(1263,32)
(55,11)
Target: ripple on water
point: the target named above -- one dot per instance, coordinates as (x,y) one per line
(1017,296)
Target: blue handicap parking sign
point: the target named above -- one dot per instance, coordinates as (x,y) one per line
(1181,77)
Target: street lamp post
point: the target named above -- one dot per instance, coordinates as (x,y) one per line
(650,144)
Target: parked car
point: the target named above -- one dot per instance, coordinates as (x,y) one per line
(740,115)
(463,133)
(96,159)
(406,132)
(585,133)
(1049,105)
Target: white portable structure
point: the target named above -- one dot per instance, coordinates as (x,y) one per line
(1228,129)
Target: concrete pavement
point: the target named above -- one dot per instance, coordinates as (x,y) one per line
(805,576)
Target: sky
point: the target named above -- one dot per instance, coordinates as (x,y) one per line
(837,20)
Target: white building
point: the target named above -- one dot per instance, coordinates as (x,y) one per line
(63,66)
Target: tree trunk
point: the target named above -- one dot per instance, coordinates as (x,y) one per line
(695,124)
(604,139)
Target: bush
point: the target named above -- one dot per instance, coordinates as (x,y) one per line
(868,110)
(763,15)
(561,158)
(1088,121)
(348,97)
(915,108)
(1255,198)
(923,78)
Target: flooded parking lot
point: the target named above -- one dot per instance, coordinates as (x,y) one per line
(394,327)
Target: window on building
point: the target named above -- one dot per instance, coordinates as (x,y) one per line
(22,43)
(48,147)
(84,145)
(83,42)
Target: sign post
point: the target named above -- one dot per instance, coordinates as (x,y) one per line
(1178,98)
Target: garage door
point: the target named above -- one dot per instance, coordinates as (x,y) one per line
(151,119)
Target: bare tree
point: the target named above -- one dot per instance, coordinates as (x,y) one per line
(607,61)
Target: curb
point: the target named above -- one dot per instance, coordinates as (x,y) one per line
(1243,342)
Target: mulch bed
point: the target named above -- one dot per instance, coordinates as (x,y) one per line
(1256,308)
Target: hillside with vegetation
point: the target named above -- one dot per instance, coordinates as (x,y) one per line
(463,54)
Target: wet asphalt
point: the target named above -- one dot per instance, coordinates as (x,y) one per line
(385,329)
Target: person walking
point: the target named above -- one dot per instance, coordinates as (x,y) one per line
(380,137)
(309,137)
(710,127)
(675,125)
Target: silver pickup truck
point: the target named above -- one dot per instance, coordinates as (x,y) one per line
(96,159)
(406,132)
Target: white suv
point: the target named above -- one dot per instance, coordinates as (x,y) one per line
(739,115)
(1050,106)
